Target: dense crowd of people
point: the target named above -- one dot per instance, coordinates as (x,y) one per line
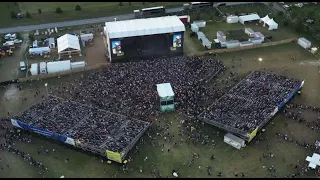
(130,88)
(89,126)
(252,101)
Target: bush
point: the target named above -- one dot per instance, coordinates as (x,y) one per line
(59,10)
(143,3)
(28,15)
(120,4)
(78,8)
(285,23)
(13,15)
(130,3)
(15,3)
(280,13)
(217,13)
(39,11)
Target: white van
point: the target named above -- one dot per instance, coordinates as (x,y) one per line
(22,66)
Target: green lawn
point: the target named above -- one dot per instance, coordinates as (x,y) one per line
(89,10)
(82,165)
(252,8)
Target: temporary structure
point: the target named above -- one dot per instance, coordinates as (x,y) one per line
(200,35)
(58,66)
(68,44)
(34,69)
(222,41)
(303,42)
(246,18)
(272,24)
(250,32)
(206,43)
(256,40)
(265,19)
(314,161)
(314,50)
(232,44)
(246,43)
(234,141)
(200,23)
(259,34)
(80,64)
(221,34)
(39,51)
(194,28)
(86,37)
(232,19)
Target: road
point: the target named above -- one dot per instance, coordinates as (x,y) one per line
(87,21)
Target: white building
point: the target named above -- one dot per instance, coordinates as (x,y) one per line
(246,43)
(256,40)
(248,18)
(232,19)
(234,141)
(232,44)
(250,32)
(303,42)
(200,35)
(221,34)
(259,34)
(68,44)
(314,161)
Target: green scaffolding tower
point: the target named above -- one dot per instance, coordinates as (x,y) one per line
(166,96)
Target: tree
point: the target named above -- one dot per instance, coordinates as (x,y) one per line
(143,3)
(236,13)
(130,3)
(198,16)
(285,23)
(39,11)
(120,4)
(294,14)
(217,13)
(59,10)
(78,8)
(13,15)
(28,15)
(15,3)
(311,14)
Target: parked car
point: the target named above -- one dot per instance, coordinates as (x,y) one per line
(22,66)
(310,21)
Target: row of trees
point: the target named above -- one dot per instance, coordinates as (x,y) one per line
(58,11)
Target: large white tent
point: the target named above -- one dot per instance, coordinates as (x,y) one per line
(272,24)
(265,19)
(68,44)
(250,17)
(314,161)
(143,27)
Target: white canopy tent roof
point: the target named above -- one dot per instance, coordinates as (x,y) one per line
(68,41)
(165,90)
(314,161)
(250,17)
(265,19)
(272,24)
(142,27)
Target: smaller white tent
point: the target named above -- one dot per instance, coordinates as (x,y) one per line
(314,161)
(272,24)
(68,43)
(232,19)
(246,18)
(303,42)
(265,19)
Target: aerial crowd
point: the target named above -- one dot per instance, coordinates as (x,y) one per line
(252,101)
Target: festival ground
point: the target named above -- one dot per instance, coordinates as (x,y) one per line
(228,159)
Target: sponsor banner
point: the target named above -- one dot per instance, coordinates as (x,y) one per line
(114,156)
(253,134)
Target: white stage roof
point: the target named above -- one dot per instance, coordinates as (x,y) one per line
(142,27)
(68,41)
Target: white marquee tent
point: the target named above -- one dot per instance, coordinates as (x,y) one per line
(143,27)
(314,161)
(272,24)
(251,17)
(68,44)
(265,19)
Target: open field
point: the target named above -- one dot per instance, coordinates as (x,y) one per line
(89,10)
(245,8)
(275,58)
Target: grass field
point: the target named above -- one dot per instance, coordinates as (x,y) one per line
(245,8)
(275,58)
(89,10)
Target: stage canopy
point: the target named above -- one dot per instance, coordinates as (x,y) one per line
(68,43)
(143,27)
